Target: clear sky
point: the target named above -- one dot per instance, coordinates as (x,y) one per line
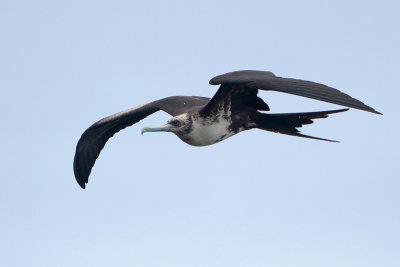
(256,199)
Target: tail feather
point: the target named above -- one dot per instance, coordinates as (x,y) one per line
(287,123)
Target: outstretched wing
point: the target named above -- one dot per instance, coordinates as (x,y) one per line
(265,80)
(95,137)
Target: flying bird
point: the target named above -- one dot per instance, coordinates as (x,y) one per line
(201,121)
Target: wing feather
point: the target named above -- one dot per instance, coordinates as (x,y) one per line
(265,80)
(96,136)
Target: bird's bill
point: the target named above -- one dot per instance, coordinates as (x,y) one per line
(164,128)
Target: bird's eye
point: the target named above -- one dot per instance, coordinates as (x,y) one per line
(176,123)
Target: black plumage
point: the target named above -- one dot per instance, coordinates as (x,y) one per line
(203,121)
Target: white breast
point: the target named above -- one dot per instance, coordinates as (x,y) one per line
(206,133)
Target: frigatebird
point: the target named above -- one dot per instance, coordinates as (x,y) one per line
(201,121)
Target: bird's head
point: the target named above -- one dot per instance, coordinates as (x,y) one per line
(179,125)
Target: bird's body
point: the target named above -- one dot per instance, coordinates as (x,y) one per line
(207,131)
(200,121)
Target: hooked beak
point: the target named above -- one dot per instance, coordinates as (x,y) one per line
(164,128)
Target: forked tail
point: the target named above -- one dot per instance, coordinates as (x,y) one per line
(287,123)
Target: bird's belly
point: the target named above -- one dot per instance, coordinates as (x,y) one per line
(204,134)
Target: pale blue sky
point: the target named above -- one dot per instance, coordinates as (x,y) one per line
(256,199)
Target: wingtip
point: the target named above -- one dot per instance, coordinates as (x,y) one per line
(80,182)
(369,109)
(83,186)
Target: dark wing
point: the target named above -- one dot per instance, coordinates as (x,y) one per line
(265,80)
(95,137)
(235,98)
